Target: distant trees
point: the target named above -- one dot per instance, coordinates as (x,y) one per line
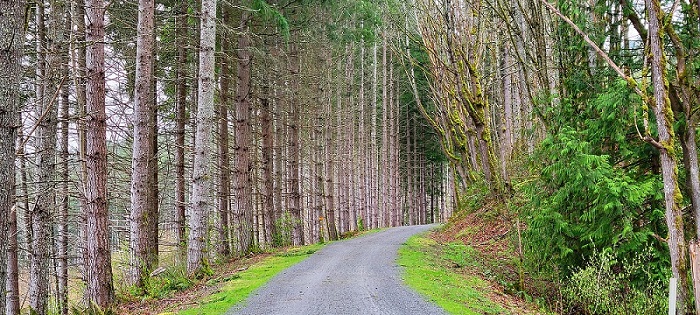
(116,165)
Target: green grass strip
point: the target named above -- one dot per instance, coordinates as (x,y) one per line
(426,271)
(239,287)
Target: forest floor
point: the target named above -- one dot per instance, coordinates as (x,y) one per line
(470,265)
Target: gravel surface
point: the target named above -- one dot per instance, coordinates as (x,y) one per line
(357,276)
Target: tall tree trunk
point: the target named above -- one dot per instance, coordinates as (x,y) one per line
(280,165)
(180,121)
(295,207)
(79,50)
(154,189)
(140,219)
(45,187)
(318,171)
(196,250)
(361,153)
(664,118)
(11,38)
(330,147)
(386,207)
(100,289)
(242,170)
(267,166)
(393,129)
(224,166)
(64,193)
(374,148)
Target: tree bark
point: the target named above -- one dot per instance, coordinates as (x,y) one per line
(196,250)
(242,170)
(267,166)
(45,186)
(141,219)
(386,210)
(11,38)
(661,106)
(180,121)
(295,207)
(330,147)
(64,193)
(224,166)
(99,287)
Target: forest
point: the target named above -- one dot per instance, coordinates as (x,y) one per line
(139,136)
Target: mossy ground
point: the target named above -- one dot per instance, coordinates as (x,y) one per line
(236,288)
(231,283)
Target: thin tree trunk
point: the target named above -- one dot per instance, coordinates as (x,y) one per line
(154,190)
(386,210)
(45,187)
(267,167)
(374,148)
(64,193)
(180,121)
(318,172)
(394,115)
(361,147)
(330,147)
(280,178)
(140,219)
(294,150)
(224,166)
(79,82)
(100,289)
(664,117)
(196,250)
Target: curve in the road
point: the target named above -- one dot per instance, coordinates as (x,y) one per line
(357,276)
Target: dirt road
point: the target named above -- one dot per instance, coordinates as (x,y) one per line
(357,276)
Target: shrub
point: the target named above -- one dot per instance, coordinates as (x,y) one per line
(606,286)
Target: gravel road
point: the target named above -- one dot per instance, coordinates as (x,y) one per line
(356,276)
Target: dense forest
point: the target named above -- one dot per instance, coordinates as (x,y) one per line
(151,134)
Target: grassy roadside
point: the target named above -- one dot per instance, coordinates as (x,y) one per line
(463,275)
(172,292)
(231,283)
(427,272)
(237,287)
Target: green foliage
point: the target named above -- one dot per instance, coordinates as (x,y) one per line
(270,14)
(283,230)
(473,197)
(581,201)
(172,280)
(597,188)
(602,287)
(360,224)
(354,21)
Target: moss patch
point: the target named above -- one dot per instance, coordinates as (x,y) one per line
(237,288)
